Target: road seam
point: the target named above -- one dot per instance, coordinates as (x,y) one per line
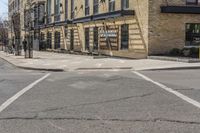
(20,93)
(170,90)
(103,120)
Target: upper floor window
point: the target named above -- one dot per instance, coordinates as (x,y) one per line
(87,8)
(111,5)
(49,7)
(95,6)
(41,13)
(66,9)
(192,2)
(49,11)
(57,10)
(72,9)
(125,4)
(17,4)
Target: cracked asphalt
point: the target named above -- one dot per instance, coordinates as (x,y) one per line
(99,102)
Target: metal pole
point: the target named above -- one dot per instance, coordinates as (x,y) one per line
(199,52)
(29,13)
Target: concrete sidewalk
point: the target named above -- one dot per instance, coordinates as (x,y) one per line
(68,62)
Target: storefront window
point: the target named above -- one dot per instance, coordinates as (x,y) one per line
(192,34)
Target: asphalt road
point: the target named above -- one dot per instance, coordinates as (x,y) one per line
(99,102)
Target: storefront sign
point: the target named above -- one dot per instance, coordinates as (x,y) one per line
(109,38)
(108,33)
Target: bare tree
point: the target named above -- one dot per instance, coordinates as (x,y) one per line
(17,31)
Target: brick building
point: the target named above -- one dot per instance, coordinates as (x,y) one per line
(126,28)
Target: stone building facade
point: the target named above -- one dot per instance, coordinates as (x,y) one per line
(93,26)
(15,22)
(125,28)
(22,19)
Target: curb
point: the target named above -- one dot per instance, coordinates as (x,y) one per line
(172,68)
(41,69)
(32,68)
(165,58)
(106,68)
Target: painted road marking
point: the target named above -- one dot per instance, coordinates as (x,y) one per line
(178,94)
(20,93)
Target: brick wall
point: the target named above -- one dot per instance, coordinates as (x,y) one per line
(166,30)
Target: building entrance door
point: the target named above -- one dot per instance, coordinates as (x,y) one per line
(87,39)
(72,39)
(96,38)
(49,40)
(124,36)
(57,40)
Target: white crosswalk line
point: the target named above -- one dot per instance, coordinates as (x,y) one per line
(20,93)
(178,94)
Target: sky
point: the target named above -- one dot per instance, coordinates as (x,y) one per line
(3,8)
